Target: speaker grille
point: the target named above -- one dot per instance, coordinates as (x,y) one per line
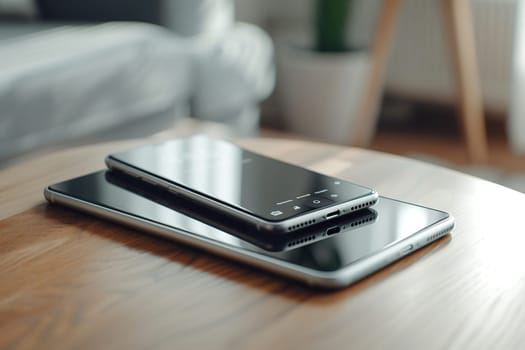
(301,225)
(364,205)
(301,240)
(436,235)
(361,222)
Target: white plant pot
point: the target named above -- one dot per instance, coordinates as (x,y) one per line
(320,93)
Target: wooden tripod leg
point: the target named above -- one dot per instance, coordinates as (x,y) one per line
(459,23)
(364,128)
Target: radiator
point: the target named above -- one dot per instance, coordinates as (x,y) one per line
(420,64)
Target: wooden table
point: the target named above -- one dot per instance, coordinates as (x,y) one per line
(70,281)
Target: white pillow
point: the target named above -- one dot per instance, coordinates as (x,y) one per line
(208,18)
(75,82)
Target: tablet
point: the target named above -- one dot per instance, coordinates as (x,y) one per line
(340,258)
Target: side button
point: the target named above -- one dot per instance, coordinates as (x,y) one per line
(151,182)
(406,250)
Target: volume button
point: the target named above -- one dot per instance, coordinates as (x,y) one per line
(406,250)
(151,182)
(172,189)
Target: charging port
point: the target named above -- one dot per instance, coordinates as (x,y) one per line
(333,230)
(332,215)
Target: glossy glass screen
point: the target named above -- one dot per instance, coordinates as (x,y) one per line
(256,184)
(394,221)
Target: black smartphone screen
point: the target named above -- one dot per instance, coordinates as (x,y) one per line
(262,186)
(395,221)
(236,227)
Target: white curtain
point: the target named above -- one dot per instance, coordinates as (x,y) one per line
(516,120)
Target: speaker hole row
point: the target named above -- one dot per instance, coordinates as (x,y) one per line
(435,236)
(364,205)
(302,240)
(360,222)
(302,224)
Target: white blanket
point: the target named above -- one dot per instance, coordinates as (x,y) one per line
(68,82)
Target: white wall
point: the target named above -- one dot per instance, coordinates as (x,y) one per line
(419,63)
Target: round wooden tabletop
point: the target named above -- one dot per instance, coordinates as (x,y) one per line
(72,281)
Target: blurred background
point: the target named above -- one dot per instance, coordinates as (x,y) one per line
(437,80)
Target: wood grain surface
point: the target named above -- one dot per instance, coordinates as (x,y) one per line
(71,281)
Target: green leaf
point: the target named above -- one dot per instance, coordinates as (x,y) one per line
(331,23)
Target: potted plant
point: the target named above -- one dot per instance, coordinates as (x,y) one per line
(321,80)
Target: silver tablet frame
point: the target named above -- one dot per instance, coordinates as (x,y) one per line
(334,279)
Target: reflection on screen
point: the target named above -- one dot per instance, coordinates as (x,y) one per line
(248,181)
(395,221)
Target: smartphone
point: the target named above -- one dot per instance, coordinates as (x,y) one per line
(292,240)
(268,194)
(337,261)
